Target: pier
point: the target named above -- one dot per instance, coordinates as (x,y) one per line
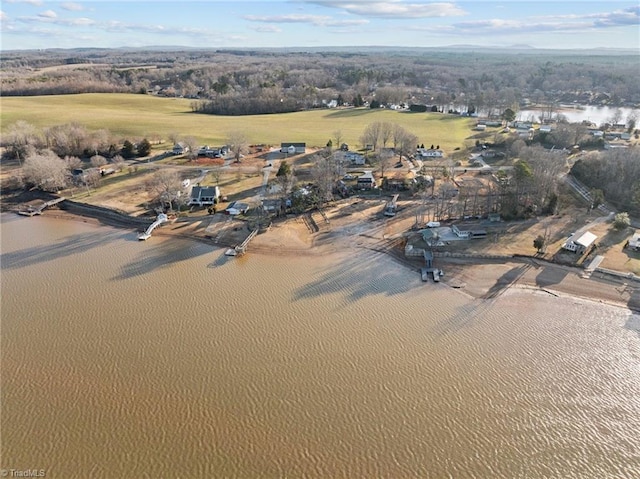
(162,218)
(391,206)
(241,249)
(32,211)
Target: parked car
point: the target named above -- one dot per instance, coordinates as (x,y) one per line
(433,224)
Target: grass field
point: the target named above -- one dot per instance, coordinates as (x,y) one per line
(139,116)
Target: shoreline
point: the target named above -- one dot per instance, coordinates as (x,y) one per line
(474,277)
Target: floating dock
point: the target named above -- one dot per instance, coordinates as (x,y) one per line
(429,269)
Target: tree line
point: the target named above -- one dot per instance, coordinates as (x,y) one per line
(246,82)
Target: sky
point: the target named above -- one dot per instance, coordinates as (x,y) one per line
(558,24)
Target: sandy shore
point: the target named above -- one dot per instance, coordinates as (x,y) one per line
(478,278)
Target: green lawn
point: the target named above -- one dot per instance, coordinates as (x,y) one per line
(139,116)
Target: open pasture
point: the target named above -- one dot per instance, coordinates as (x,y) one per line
(139,116)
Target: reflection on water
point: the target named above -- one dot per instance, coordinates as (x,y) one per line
(166,359)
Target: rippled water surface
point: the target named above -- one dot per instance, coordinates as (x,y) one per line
(167,359)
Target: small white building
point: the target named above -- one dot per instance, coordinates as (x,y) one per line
(579,242)
(430,153)
(468,231)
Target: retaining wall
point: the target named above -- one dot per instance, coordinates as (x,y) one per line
(105,214)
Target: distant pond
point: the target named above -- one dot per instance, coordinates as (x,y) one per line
(578,113)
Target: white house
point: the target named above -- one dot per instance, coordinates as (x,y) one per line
(579,242)
(204,195)
(430,153)
(468,231)
(366,181)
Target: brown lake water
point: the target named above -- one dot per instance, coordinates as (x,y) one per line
(166,359)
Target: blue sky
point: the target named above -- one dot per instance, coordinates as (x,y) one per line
(34,24)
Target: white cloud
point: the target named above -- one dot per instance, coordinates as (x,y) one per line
(318,20)
(394,8)
(48,14)
(268,29)
(3,16)
(72,6)
(540,24)
(37,3)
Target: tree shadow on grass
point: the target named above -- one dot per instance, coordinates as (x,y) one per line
(69,246)
(351,112)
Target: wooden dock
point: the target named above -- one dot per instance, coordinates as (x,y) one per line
(32,211)
(242,247)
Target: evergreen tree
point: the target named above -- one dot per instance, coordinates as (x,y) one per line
(127,151)
(144,148)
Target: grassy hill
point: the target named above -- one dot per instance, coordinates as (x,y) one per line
(139,116)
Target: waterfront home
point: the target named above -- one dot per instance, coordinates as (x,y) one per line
(273,206)
(366,181)
(468,231)
(204,195)
(579,243)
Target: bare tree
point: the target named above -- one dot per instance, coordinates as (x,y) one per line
(407,144)
(72,162)
(325,174)
(167,186)
(45,170)
(21,138)
(97,161)
(192,143)
(338,137)
(385,158)
(238,144)
(118,162)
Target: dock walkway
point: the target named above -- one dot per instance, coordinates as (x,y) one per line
(31,211)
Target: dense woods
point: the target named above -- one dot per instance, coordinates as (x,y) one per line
(616,173)
(264,81)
